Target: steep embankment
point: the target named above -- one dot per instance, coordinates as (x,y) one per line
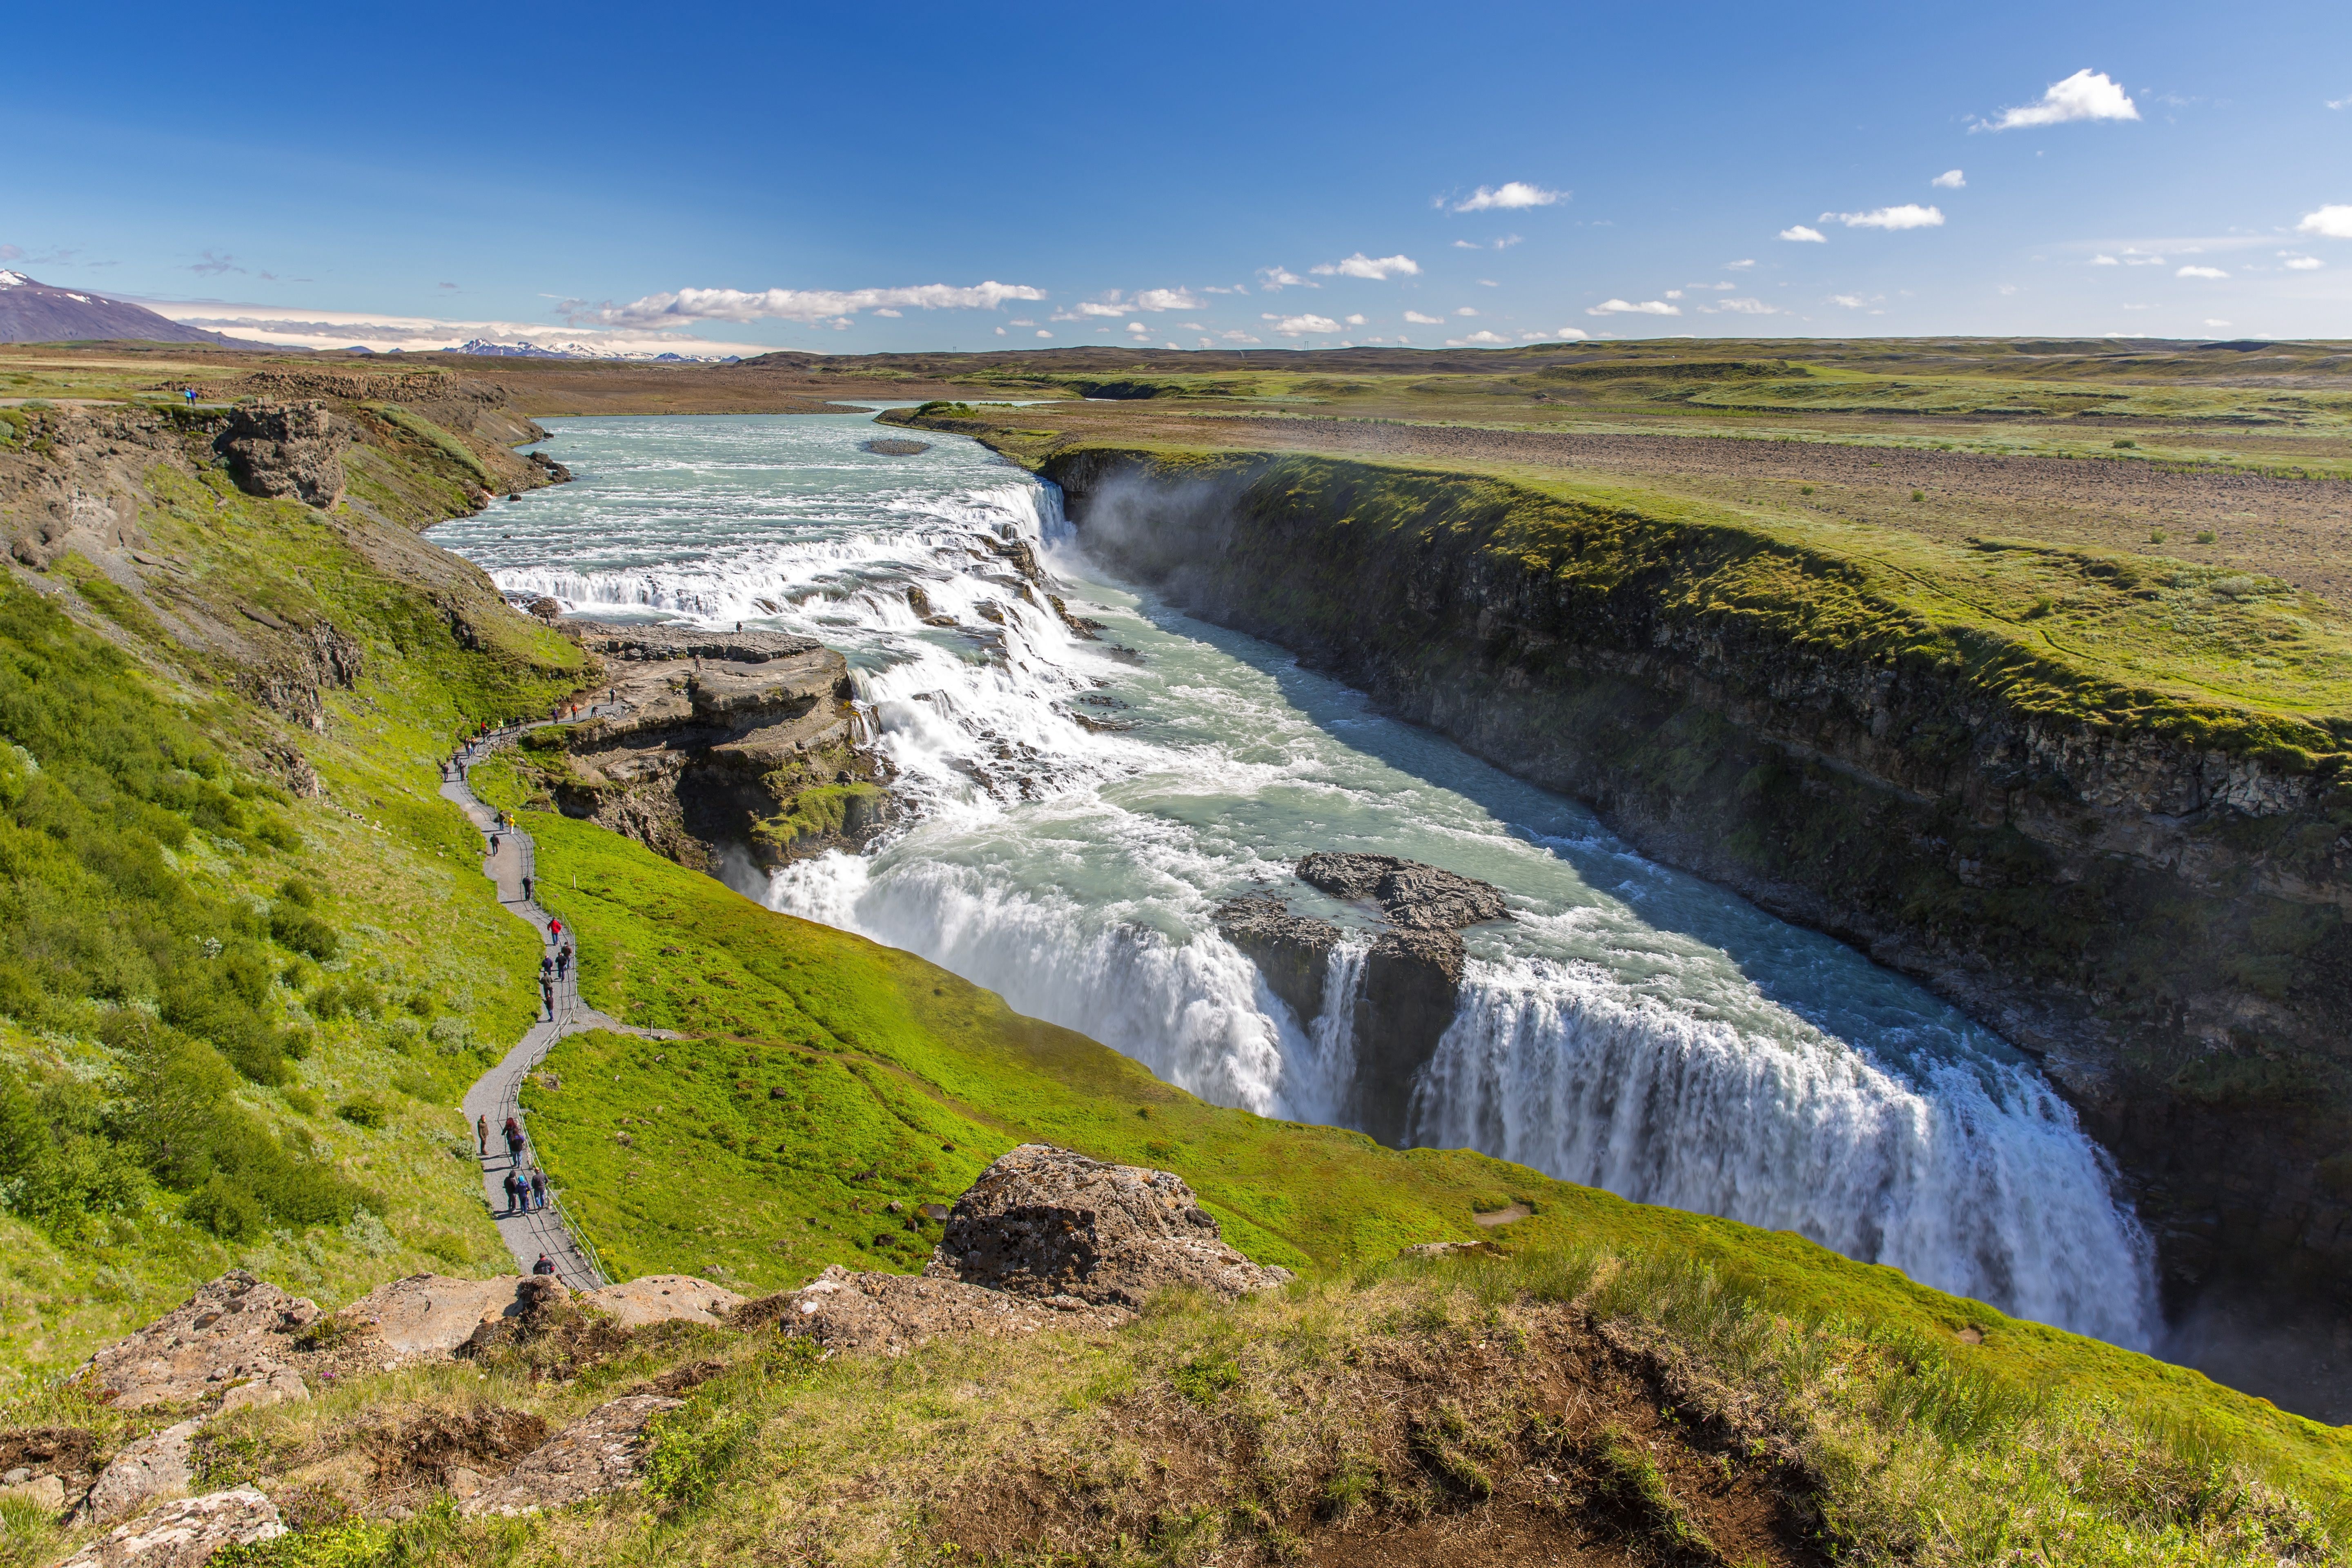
(249,961)
(2042,780)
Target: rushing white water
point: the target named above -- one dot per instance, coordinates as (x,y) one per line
(1079,807)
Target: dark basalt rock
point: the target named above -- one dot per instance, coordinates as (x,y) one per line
(1411,979)
(1293,952)
(286,449)
(1408,891)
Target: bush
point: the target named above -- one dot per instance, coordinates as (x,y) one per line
(362,1111)
(223,1207)
(299,931)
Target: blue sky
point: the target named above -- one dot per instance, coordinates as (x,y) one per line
(786,176)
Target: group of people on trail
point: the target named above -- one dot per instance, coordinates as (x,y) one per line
(525,1193)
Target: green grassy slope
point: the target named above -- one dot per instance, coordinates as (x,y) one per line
(233,1017)
(882,1059)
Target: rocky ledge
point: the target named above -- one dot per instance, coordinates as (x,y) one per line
(1411,974)
(708,745)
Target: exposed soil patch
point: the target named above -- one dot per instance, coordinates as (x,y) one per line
(64,1452)
(1575,1447)
(487,1439)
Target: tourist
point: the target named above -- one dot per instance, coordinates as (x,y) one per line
(526,890)
(482,1134)
(538,1188)
(513,1184)
(545,1265)
(514,1141)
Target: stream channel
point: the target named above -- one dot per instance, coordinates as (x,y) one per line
(1632,1028)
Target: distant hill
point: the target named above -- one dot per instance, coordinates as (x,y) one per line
(33,312)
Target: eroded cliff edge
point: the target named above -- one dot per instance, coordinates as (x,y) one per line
(2151,901)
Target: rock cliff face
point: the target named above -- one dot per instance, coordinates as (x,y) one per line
(1411,974)
(718,745)
(281,449)
(2161,919)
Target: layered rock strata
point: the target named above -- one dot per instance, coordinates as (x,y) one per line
(2165,921)
(717,744)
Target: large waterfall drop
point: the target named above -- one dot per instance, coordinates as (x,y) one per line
(1081,805)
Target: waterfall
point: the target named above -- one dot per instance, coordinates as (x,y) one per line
(1969,1175)
(1078,807)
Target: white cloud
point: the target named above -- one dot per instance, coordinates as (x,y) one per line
(2304,263)
(1850,302)
(2328,223)
(2201,272)
(1510,240)
(1303,326)
(1466,310)
(1489,283)
(1571,332)
(1044,333)
(1357,321)
(1511,194)
(1192,326)
(999,331)
(1747,260)
(2339,103)
(1238,336)
(1627,307)
(1172,345)
(1092,307)
(2086,95)
(1418,320)
(1378,269)
(302,327)
(1950,180)
(1467,245)
(1140,328)
(1482,339)
(2215,322)
(1910,215)
(1673,293)
(1165,299)
(1021,321)
(2104,261)
(1807,235)
(807,306)
(886,312)
(1744,307)
(1274,279)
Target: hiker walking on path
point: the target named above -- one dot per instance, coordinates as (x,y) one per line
(513,1184)
(563,961)
(545,1265)
(482,1134)
(514,1141)
(538,1188)
(547,996)
(526,890)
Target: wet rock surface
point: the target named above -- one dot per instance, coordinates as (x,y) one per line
(1292,950)
(184,1533)
(235,1330)
(1411,893)
(1047,1224)
(1411,975)
(601,1452)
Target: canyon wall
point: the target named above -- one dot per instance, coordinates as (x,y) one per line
(2155,911)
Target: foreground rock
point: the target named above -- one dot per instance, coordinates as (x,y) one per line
(156,1466)
(185,1533)
(604,1451)
(433,1314)
(663,1298)
(719,744)
(1050,1225)
(1405,997)
(890,1314)
(235,1330)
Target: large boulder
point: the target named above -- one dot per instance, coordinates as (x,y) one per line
(1293,952)
(184,1533)
(1045,1223)
(433,1314)
(235,1330)
(890,1314)
(601,1452)
(662,1298)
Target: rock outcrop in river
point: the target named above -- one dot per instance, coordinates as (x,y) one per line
(1412,974)
(717,743)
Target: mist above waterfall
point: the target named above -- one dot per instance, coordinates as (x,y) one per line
(1081,806)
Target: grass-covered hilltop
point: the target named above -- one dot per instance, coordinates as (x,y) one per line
(2017,727)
